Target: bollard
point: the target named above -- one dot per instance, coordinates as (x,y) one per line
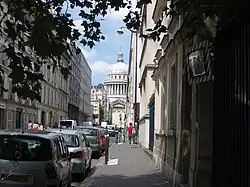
(107,150)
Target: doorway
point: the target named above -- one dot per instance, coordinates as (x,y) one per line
(151,126)
(18,118)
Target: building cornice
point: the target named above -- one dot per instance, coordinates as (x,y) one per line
(159,6)
(143,50)
(144,73)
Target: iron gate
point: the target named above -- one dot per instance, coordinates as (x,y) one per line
(231,108)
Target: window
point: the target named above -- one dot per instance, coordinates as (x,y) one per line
(90,132)
(64,147)
(58,148)
(71,140)
(25,148)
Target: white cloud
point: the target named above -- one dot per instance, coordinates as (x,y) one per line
(100,67)
(78,26)
(90,55)
(119,15)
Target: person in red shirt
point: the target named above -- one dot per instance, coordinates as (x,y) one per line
(130,133)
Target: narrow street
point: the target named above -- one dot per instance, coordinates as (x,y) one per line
(127,167)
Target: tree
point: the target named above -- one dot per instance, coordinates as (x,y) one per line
(101,113)
(46,28)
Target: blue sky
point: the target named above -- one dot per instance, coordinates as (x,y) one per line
(104,54)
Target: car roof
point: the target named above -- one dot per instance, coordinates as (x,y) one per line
(63,131)
(88,127)
(32,133)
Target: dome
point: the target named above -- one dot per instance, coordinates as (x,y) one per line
(119,67)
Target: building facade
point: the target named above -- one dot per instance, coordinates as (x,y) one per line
(98,100)
(79,105)
(147,86)
(116,87)
(54,95)
(85,109)
(180,109)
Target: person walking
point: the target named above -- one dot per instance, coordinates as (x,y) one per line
(35,126)
(30,125)
(130,134)
(120,135)
(41,128)
(124,134)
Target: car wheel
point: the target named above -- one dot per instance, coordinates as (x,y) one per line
(89,168)
(69,184)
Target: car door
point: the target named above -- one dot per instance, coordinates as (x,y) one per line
(68,166)
(59,159)
(88,147)
(85,148)
(64,161)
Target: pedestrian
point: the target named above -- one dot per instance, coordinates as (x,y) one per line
(130,134)
(55,125)
(119,135)
(124,134)
(35,126)
(30,125)
(41,128)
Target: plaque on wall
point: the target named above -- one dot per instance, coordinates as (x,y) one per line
(196,62)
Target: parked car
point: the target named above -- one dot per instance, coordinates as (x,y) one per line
(67,124)
(79,149)
(34,159)
(96,139)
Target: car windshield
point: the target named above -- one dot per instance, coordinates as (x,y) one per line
(71,140)
(66,124)
(25,148)
(90,132)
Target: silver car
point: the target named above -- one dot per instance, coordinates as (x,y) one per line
(79,149)
(34,159)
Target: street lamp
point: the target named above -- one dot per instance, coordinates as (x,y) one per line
(120,31)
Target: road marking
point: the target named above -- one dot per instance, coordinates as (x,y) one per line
(112,162)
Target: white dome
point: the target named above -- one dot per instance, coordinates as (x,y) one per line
(119,68)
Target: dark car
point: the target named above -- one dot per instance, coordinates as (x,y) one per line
(95,138)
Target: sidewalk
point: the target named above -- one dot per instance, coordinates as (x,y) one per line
(134,169)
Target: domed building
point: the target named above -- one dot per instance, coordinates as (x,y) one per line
(116,87)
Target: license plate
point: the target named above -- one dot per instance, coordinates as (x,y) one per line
(15,178)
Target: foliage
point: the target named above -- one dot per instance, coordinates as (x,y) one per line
(46,28)
(101,113)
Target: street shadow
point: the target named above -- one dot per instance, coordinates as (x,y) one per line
(148,180)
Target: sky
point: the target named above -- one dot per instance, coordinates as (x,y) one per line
(104,54)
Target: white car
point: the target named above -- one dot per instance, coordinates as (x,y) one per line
(34,159)
(79,149)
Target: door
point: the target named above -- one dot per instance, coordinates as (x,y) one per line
(85,149)
(62,161)
(18,118)
(151,126)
